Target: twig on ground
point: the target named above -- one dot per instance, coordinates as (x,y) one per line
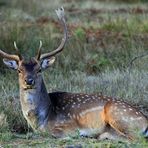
(135,58)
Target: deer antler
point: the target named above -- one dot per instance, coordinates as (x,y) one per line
(18,53)
(39,51)
(61,15)
(10,56)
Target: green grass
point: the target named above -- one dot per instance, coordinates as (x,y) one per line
(104,38)
(42,141)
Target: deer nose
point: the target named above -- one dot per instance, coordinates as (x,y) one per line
(29,81)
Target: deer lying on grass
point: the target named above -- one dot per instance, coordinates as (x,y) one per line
(62,113)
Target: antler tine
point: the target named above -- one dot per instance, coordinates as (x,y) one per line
(19,55)
(39,51)
(15,46)
(9,56)
(61,15)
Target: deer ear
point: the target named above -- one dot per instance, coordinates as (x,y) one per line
(45,63)
(10,63)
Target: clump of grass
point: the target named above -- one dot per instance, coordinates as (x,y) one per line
(96,64)
(6,136)
(80,34)
(3,122)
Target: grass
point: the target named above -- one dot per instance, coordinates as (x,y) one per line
(104,37)
(130,85)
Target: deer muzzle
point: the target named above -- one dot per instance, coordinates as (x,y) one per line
(29,82)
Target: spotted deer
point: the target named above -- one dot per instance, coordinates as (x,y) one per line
(63,113)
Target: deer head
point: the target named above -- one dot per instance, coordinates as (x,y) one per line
(30,71)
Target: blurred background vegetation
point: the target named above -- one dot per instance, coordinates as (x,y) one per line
(101,34)
(104,37)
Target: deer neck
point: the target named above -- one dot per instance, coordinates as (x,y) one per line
(36,106)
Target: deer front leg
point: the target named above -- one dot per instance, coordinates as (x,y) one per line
(33,120)
(31,117)
(64,129)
